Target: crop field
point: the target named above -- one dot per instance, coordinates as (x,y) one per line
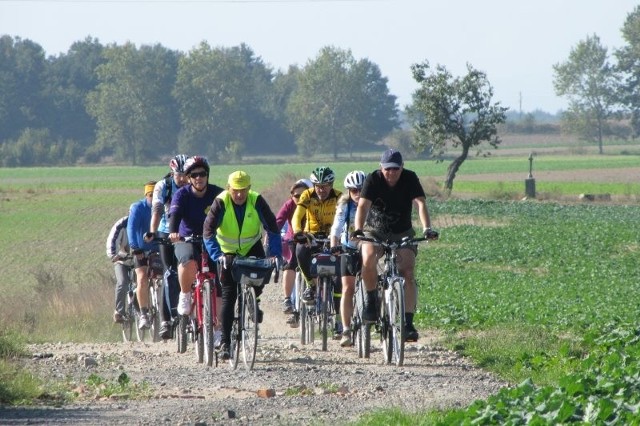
(544,293)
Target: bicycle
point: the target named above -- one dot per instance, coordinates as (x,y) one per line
(131,319)
(326,267)
(155,276)
(202,321)
(248,272)
(390,303)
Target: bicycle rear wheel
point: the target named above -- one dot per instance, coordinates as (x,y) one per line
(207,319)
(326,295)
(250,327)
(182,333)
(393,339)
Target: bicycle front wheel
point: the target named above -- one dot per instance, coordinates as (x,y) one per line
(129,322)
(182,333)
(207,320)
(393,339)
(249,326)
(361,331)
(326,296)
(155,304)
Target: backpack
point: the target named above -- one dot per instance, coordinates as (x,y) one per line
(168,188)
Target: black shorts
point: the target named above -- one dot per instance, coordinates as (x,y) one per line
(350,263)
(292,263)
(140,261)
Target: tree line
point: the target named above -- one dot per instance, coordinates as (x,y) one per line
(139,104)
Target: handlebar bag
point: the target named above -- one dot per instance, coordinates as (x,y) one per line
(325,264)
(252,271)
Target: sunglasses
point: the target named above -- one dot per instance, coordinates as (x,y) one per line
(198,174)
(392,169)
(296,195)
(323,187)
(354,190)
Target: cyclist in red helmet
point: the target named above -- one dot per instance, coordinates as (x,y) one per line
(189,209)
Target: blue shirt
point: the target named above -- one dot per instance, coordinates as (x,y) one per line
(138,225)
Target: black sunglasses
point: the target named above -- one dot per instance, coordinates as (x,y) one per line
(296,195)
(198,174)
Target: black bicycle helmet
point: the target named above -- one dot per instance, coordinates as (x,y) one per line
(322,175)
(196,161)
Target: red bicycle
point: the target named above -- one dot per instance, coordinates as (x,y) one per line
(203,320)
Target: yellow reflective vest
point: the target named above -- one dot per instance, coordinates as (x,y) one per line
(231,238)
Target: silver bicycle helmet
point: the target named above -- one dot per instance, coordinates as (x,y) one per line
(177,163)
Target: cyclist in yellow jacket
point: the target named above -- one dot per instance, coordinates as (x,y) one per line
(318,206)
(234,226)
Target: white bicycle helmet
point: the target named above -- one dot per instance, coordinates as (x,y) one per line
(305,182)
(354,179)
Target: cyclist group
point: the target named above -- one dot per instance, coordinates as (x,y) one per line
(232,222)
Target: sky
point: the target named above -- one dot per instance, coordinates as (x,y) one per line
(515,42)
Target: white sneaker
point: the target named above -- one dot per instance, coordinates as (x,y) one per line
(143,322)
(217,338)
(184,304)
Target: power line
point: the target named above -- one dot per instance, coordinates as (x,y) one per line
(194,1)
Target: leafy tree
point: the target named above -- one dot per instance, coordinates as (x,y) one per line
(22,67)
(70,78)
(221,95)
(340,102)
(590,83)
(629,65)
(457,111)
(133,106)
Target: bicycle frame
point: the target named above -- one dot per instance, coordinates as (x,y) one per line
(203,316)
(326,266)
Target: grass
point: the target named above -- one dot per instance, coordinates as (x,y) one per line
(516,286)
(16,385)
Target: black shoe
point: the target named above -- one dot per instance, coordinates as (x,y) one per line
(224,351)
(260,316)
(165,330)
(309,295)
(287,306)
(369,313)
(410,333)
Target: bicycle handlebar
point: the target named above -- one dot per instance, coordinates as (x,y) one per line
(404,242)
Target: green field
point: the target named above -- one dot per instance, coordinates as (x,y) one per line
(542,293)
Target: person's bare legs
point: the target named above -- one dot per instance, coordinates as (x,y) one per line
(346,304)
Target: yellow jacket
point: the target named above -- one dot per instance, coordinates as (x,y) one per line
(319,214)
